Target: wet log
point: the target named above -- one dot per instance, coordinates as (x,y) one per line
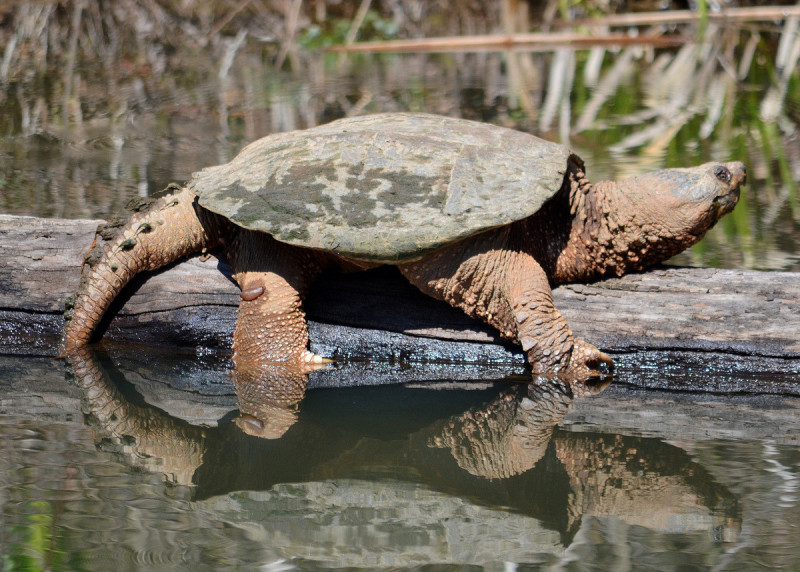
(743,323)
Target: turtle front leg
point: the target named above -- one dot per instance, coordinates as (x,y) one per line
(541,330)
(509,290)
(271,325)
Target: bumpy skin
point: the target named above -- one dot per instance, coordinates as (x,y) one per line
(157,234)
(585,232)
(502,276)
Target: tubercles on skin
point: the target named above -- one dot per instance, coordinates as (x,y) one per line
(146,242)
(145,227)
(271,329)
(252,293)
(128,244)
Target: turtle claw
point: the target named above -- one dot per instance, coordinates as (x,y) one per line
(586,361)
(315,361)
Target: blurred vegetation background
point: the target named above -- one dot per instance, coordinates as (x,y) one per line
(105,100)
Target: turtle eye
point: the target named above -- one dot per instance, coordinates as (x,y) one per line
(723,174)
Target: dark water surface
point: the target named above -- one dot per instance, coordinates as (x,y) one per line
(119,468)
(126,469)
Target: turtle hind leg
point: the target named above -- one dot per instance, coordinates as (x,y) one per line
(274,278)
(168,229)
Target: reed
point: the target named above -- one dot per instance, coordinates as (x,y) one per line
(165,86)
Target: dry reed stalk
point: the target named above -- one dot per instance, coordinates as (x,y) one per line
(559,86)
(785,64)
(748,14)
(545,42)
(288,46)
(224,22)
(69,72)
(520,69)
(605,88)
(352,33)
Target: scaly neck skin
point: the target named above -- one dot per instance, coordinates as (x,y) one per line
(595,246)
(610,233)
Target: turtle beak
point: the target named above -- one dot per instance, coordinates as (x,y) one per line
(738,175)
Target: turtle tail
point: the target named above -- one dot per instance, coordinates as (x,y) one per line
(158,233)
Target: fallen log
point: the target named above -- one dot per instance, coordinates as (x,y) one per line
(745,324)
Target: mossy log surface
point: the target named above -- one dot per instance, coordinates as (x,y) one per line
(744,324)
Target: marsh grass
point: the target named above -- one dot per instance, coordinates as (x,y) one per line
(159,88)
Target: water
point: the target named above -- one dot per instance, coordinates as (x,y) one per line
(624,111)
(121,469)
(153,465)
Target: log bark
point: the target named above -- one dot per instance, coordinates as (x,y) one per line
(743,323)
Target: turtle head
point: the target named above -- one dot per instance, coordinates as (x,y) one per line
(635,223)
(707,192)
(677,206)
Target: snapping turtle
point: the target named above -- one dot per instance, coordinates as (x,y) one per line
(483,217)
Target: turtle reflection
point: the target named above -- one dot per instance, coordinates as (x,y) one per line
(152,440)
(146,437)
(268,399)
(510,434)
(499,446)
(643,482)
